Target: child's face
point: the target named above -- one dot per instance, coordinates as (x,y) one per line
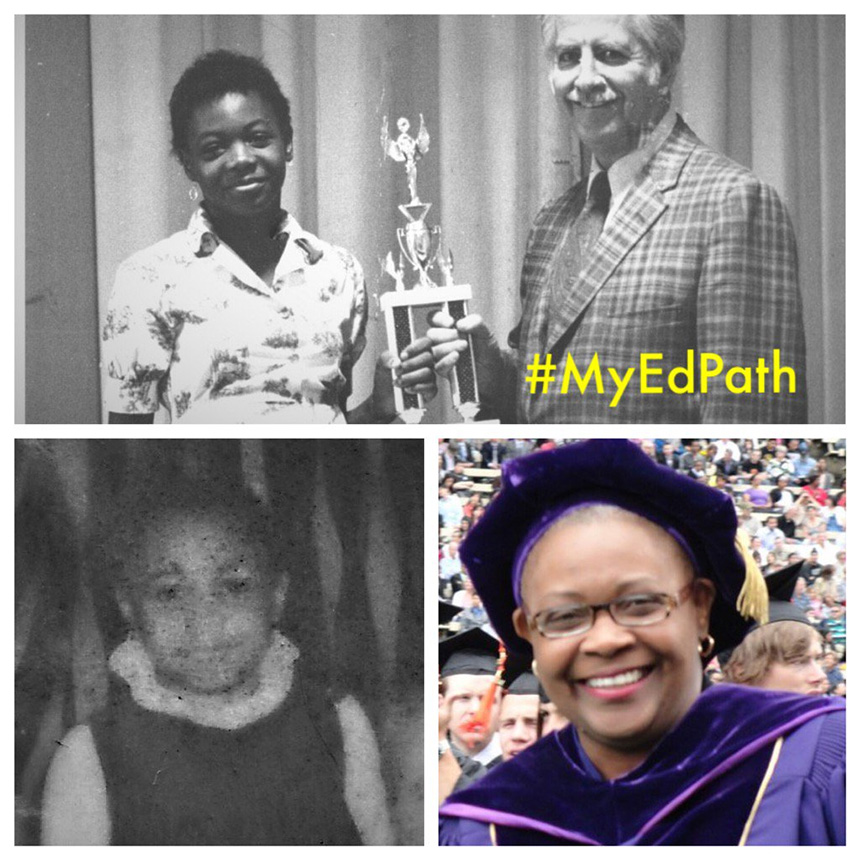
(203,605)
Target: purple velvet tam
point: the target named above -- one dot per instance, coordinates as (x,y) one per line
(540,488)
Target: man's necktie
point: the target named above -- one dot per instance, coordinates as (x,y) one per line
(581,238)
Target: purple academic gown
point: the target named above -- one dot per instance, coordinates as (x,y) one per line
(762,767)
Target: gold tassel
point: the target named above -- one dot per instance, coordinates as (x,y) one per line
(752,601)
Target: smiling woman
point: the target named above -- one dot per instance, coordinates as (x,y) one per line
(621,578)
(244,316)
(625,671)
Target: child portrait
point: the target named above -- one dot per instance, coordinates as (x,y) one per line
(211,690)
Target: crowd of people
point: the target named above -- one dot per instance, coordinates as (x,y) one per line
(790,499)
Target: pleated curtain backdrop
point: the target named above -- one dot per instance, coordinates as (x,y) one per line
(767,90)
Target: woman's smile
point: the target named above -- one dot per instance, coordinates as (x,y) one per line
(615,685)
(248,184)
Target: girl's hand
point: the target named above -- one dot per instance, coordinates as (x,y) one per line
(413,371)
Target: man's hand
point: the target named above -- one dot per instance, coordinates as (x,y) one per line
(496,369)
(450,340)
(444,717)
(449,770)
(437,353)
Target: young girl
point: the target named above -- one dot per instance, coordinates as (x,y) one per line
(215,732)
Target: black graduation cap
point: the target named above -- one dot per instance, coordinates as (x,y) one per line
(474,652)
(780,589)
(525,684)
(447,611)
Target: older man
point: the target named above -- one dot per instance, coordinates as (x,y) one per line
(667,255)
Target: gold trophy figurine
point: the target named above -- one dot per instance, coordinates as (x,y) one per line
(421,246)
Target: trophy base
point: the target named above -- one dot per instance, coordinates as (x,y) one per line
(412,416)
(468,411)
(399,308)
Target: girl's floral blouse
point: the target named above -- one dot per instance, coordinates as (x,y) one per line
(193,331)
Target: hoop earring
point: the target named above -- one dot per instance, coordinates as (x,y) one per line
(193,193)
(706,646)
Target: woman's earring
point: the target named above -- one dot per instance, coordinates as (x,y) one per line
(193,193)
(534,668)
(706,646)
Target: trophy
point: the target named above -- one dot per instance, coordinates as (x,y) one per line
(421,248)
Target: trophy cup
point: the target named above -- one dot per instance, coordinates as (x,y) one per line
(421,247)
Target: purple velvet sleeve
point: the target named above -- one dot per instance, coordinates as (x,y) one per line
(835,809)
(463,831)
(805,800)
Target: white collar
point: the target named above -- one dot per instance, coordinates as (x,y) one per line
(491,751)
(622,173)
(219,711)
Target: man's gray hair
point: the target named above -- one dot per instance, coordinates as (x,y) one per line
(661,36)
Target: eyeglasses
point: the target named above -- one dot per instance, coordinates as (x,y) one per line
(632,610)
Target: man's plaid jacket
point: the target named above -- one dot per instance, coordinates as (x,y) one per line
(699,255)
